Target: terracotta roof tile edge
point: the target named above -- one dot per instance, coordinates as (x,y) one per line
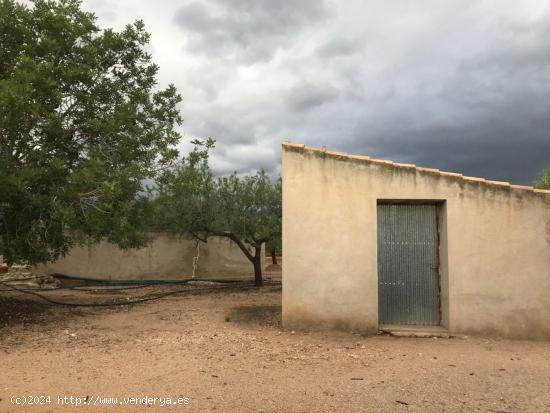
(367,159)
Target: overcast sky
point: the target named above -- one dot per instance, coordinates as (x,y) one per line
(461,85)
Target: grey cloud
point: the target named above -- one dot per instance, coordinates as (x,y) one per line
(226,129)
(245,159)
(305,97)
(520,47)
(247,30)
(339,48)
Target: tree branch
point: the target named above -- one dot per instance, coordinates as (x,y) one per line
(197,236)
(236,240)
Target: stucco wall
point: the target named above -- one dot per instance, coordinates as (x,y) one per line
(494,250)
(166,258)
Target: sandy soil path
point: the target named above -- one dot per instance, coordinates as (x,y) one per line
(225,351)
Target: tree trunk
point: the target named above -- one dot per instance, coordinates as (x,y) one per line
(257,261)
(273,257)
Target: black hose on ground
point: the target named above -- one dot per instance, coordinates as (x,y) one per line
(106,287)
(103,286)
(139,300)
(128,285)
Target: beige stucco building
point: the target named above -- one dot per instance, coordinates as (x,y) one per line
(370,242)
(165,258)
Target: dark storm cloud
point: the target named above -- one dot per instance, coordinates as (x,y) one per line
(459,85)
(500,150)
(483,112)
(251,30)
(497,112)
(508,141)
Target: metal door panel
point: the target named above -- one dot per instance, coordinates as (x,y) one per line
(408,276)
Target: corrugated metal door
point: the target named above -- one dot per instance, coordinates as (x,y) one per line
(408,276)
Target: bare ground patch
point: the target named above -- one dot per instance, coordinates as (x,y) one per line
(226,351)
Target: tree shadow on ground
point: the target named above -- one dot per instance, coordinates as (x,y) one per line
(264,315)
(31,313)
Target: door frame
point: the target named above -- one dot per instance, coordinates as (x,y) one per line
(443,259)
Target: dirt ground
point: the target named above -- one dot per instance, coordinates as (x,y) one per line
(225,350)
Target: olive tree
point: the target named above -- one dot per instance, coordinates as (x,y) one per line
(247,210)
(192,202)
(82,125)
(542,181)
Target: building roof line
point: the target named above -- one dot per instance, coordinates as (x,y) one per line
(297,147)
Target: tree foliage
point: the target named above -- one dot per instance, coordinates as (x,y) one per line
(542,181)
(81,126)
(246,209)
(184,194)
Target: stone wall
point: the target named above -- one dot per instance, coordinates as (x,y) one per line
(166,258)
